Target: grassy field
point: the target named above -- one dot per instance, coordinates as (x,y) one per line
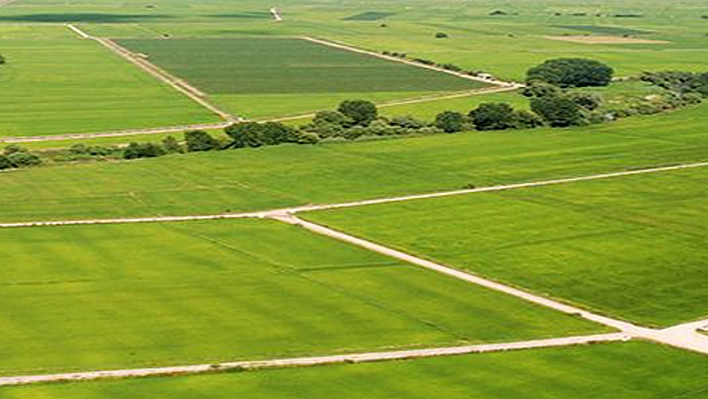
(606,371)
(287,72)
(66,85)
(147,295)
(266,178)
(633,247)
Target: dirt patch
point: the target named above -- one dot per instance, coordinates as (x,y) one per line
(593,39)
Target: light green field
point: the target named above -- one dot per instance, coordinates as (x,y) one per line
(125,296)
(607,371)
(68,85)
(274,177)
(632,247)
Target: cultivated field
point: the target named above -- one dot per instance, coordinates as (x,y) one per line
(632,247)
(65,85)
(201,292)
(627,371)
(251,76)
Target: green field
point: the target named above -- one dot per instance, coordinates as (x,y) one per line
(157,294)
(633,247)
(607,371)
(288,71)
(67,85)
(273,177)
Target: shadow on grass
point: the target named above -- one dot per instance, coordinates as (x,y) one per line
(88,17)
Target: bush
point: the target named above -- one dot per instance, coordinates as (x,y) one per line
(493,116)
(571,72)
(588,101)
(527,120)
(23,159)
(13,149)
(199,140)
(172,146)
(254,134)
(83,149)
(541,89)
(450,121)
(334,117)
(143,150)
(407,122)
(361,112)
(441,35)
(5,162)
(558,111)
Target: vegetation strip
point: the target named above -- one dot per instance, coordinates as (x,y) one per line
(307,208)
(312,361)
(684,336)
(158,73)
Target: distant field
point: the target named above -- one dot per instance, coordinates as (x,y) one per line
(266,178)
(146,295)
(66,85)
(369,16)
(633,370)
(605,30)
(291,71)
(633,247)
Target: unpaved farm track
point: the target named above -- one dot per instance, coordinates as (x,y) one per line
(311,361)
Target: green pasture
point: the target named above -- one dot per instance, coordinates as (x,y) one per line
(274,177)
(126,296)
(633,370)
(632,247)
(258,77)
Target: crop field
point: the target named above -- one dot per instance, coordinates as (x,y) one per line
(216,291)
(274,177)
(288,70)
(404,253)
(627,371)
(88,90)
(625,246)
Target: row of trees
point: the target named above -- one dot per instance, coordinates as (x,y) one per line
(14,156)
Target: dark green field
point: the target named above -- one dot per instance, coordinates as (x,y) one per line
(369,16)
(605,30)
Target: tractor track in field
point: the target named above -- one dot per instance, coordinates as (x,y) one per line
(178,84)
(311,361)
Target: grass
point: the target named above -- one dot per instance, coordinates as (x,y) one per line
(633,370)
(266,178)
(292,69)
(126,296)
(605,30)
(68,85)
(632,247)
(369,16)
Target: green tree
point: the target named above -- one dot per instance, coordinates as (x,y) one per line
(558,111)
(361,112)
(199,140)
(171,145)
(450,121)
(24,159)
(494,116)
(571,72)
(328,116)
(143,150)
(5,162)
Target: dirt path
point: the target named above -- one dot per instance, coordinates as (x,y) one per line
(119,133)
(343,46)
(308,208)
(311,361)
(6,2)
(178,84)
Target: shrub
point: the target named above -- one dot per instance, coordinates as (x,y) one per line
(172,146)
(407,122)
(5,162)
(328,116)
(254,134)
(143,150)
(361,112)
(199,140)
(540,89)
(13,149)
(23,159)
(558,111)
(493,116)
(527,120)
(571,72)
(441,35)
(588,101)
(450,121)
(83,149)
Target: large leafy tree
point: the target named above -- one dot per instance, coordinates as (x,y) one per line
(361,112)
(571,72)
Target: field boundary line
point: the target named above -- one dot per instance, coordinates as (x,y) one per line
(683,336)
(117,133)
(178,84)
(314,361)
(321,207)
(344,46)
(4,3)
